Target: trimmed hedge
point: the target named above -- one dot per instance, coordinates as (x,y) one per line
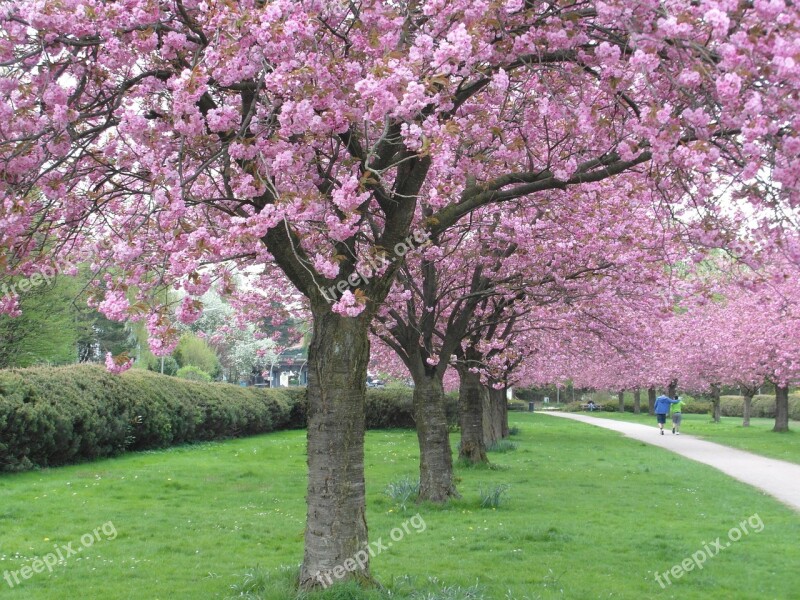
(63,415)
(761,406)
(730,406)
(693,405)
(385,409)
(698,407)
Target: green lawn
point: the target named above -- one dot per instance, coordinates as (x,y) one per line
(758,438)
(589,514)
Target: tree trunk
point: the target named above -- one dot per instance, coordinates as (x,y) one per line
(637,401)
(781,408)
(621,400)
(673,388)
(495,416)
(470,417)
(435,455)
(505,430)
(336,525)
(489,436)
(716,403)
(746,408)
(651,400)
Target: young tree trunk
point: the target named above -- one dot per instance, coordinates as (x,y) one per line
(336,525)
(637,401)
(716,403)
(781,408)
(495,416)
(470,417)
(673,388)
(747,406)
(621,400)
(489,436)
(651,400)
(435,455)
(505,430)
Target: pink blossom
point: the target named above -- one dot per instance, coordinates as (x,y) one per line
(223,119)
(9,305)
(119,364)
(719,21)
(348,305)
(115,305)
(326,267)
(189,310)
(729,86)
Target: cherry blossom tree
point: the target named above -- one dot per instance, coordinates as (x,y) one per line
(178,139)
(732,334)
(605,342)
(740,339)
(459,299)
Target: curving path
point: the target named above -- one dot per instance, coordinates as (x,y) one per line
(777,478)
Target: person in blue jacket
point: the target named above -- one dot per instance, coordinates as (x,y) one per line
(662,408)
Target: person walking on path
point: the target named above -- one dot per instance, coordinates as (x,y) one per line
(677,410)
(779,478)
(661,409)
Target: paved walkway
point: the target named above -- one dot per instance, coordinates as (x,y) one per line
(778,478)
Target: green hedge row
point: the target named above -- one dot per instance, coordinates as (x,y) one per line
(730,406)
(693,406)
(698,407)
(64,415)
(761,406)
(385,409)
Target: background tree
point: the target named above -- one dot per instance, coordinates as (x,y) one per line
(195,352)
(48,330)
(58,326)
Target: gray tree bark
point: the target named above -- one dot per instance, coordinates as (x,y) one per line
(495,416)
(651,400)
(505,430)
(717,416)
(748,393)
(621,401)
(471,394)
(637,401)
(435,454)
(336,526)
(781,408)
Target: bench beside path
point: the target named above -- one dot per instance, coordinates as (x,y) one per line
(778,478)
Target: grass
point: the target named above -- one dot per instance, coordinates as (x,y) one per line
(277,584)
(591,515)
(758,438)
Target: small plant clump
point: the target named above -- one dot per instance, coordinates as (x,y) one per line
(502,446)
(403,491)
(494,496)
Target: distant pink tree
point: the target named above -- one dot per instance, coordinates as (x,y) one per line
(740,338)
(464,297)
